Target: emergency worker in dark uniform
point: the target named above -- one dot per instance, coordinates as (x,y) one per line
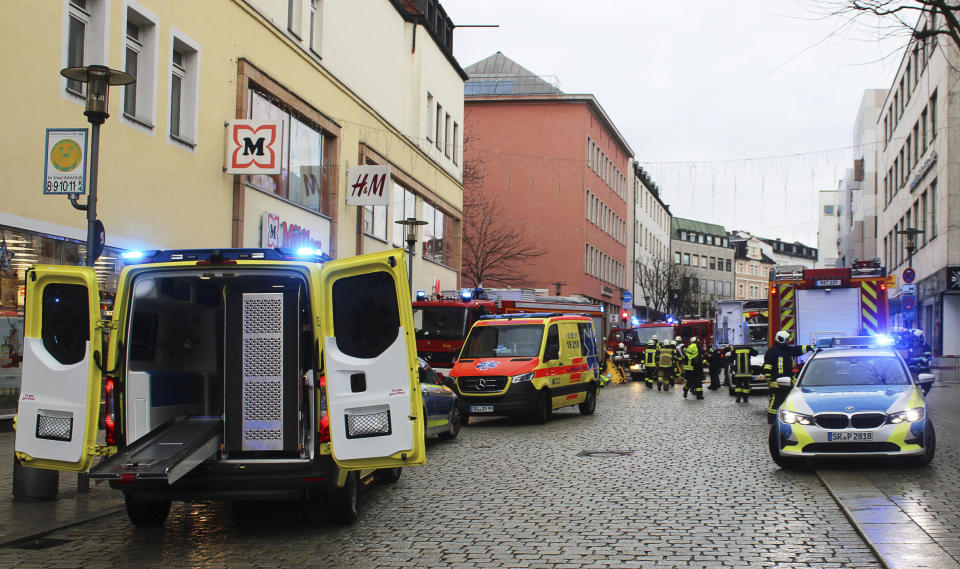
(779,361)
(693,369)
(715,364)
(741,371)
(650,353)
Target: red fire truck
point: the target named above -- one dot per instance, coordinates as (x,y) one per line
(822,303)
(637,337)
(442,323)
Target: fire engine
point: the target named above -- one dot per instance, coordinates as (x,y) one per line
(442,323)
(637,337)
(822,303)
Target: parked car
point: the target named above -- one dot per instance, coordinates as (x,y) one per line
(854,400)
(440,409)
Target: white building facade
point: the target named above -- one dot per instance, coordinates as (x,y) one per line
(650,238)
(919,180)
(828,229)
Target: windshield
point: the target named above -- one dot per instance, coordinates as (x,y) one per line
(645,334)
(503,341)
(440,322)
(854,370)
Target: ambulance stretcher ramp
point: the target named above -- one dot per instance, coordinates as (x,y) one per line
(167,453)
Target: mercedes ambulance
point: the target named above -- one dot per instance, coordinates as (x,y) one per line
(238,374)
(528,364)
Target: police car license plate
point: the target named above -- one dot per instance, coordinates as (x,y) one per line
(481,408)
(849,436)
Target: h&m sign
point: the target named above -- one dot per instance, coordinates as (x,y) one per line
(368,185)
(254,147)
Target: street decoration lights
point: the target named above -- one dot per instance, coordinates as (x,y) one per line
(99,79)
(410,225)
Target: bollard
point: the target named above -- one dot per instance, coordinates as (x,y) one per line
(34,484)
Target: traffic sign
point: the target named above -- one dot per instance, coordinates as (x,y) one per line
(908,289)
(627,298)
(909,274)
(909,303)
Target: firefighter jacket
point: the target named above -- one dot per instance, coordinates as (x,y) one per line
(650,353)
(694,357)
(665,358)
(741,359)
(715,358)
(780,360)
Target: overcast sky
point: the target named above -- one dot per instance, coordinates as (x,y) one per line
(748,98)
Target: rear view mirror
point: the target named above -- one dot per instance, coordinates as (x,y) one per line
(784,381)
(926,381)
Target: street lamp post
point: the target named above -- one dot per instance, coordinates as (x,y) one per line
(410,225)
(910,246)
(646,307)
(99,79)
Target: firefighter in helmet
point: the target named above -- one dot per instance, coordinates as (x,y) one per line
(650,353)
(741,371)
(715,365)
(693,369)
(779,361)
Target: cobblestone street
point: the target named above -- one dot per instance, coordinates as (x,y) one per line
(683,483)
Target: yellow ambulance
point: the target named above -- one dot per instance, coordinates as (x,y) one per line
(528,364)
(238,374)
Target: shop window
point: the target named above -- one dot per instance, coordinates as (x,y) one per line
(437,245)
(302,178)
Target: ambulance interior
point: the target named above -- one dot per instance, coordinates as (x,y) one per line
(230,348)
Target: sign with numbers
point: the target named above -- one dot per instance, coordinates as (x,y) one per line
(65,161)
(369,185)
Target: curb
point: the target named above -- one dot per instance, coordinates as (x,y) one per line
(853,521)
(12,540)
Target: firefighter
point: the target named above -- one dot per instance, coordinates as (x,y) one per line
(693,369)
(667,364)
(650,353)
(741,371)
(779,361)
(715,364)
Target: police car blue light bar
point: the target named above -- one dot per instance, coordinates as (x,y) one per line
(132,255)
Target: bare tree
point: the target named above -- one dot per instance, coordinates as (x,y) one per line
(496,252)
(921,19)
(672,287)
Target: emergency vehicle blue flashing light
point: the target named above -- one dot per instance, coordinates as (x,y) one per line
(132,255)
(635,321)
(884,340)
(466,294)
(421,295)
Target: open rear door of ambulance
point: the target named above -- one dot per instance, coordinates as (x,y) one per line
(369,350)
(60,386)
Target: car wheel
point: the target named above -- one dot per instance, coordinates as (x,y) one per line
(929,446)
(343,504)
(146,514)
(784,462)
(388,475)
(589,404)
(542,414)
(453,426)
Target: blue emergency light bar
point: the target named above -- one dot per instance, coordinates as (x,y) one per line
(854,341)
(225,256)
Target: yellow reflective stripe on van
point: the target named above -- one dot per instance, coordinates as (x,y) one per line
(803,437)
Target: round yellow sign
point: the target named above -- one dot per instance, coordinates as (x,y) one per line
(65,155)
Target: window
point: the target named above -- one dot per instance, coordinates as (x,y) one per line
(696,261)
(739,266)
(295,17)
(446,135)
(430,116)
(86,38)
(65,322)
(403,204)
(302,177)
(686,258)
(140,56)
(676,257)
(728,266)
(713,263)
(439,127)
(456,138)
(933,116)
(828,210)
(365,313)
(184,71)
(375,221)
(933,209)
(316,26)
(740,290)
(437,245)
(683,235)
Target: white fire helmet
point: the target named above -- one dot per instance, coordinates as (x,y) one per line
(782,336)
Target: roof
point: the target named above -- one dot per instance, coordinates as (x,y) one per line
(681,224)
(855,352)
(500,75)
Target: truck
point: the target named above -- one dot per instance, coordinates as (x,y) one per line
(740,322)
(821,303)
(236,374)
(442,323)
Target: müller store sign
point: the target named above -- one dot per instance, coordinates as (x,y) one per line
(278,232)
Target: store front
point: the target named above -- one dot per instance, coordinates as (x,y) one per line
(19,250)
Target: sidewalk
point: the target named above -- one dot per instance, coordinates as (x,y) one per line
(22,520)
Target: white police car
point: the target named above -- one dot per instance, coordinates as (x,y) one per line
(854,398)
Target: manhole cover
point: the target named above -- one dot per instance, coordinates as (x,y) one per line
(37,543)
(605,453)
